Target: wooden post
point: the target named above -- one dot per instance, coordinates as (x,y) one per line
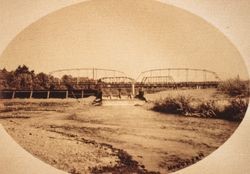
(31,93)
(67,94)
(13,94)
(48,94)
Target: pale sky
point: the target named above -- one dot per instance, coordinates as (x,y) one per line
(127,35)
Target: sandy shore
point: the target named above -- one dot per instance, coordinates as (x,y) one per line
(79,138)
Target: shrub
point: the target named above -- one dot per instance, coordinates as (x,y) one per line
(235,111)
(208,109)
(179,105)
(235,87)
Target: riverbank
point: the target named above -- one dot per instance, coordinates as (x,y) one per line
(206,103)
(79,138)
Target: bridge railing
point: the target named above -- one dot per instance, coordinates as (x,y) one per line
(46,94)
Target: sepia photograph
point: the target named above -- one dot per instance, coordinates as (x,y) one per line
(120,86)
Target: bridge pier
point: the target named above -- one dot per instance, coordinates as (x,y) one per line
(82,94)
(133,89)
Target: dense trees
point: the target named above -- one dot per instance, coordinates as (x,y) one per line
(24,79)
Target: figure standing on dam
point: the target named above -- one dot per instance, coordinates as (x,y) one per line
(99,92)
(140,95)
(98,99)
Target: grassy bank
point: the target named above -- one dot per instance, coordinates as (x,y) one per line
(232,109)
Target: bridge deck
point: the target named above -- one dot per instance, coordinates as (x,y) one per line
(88,89)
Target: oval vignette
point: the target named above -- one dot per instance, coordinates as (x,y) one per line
(195,84)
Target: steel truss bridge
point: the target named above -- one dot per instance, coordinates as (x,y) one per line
(95,78)
(156,75)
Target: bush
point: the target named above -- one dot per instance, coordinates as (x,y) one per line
(235,111)
(232,109)
(235,87)
(179,105)
(208,109)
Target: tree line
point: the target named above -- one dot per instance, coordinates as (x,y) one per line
(22,78)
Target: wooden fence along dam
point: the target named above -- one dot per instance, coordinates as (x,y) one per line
(89,81)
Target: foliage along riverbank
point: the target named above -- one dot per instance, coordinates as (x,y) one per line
(232,107)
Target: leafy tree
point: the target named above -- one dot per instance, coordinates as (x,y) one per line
(68,81)
(3,76)
(22,78)
(42,81)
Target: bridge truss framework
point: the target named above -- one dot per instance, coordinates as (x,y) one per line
(154,78)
